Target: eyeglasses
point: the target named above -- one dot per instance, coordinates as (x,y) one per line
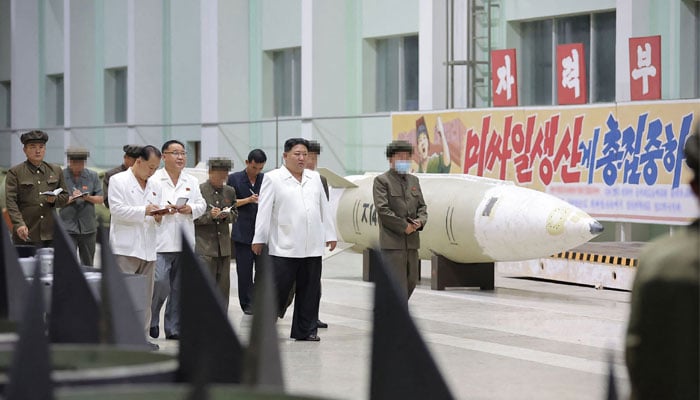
(176,153)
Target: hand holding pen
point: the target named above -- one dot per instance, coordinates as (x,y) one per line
(254,197)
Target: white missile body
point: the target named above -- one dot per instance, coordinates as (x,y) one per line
(470,219)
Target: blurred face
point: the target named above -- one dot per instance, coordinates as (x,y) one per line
(35,152)
(218,177)
(144,169)
(311,161)
(76,166)
(129,161)
(295,159)
(175,157)
(253,168)
(422,146)
(401,155)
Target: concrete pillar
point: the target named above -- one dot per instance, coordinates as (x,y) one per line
(26,67)
(210,78)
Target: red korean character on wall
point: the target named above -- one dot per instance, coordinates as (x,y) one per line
(504,78)
(571,74)
(645,68)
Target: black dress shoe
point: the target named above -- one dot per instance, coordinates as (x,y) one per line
(154,332)
(310,338)
(321,324)
(174,336)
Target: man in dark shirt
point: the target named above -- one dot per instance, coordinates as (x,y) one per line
(247,184)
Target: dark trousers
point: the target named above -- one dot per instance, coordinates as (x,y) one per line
(244,270)
(405,267)
(220,268)
(306,272)
(86,247)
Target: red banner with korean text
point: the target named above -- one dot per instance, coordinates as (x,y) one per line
(571,74)
(645,68)
(504,78)
(617,162)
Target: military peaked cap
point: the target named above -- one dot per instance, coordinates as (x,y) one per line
(132,150)
(77,153)
(34,136)
(220,163)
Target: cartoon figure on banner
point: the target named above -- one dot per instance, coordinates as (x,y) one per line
(436,162)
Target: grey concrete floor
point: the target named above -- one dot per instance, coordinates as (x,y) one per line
(524,340)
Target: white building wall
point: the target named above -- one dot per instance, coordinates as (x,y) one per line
(5,40)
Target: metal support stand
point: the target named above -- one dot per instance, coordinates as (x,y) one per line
(445,273)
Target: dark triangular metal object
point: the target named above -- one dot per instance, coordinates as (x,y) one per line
(402,367)
(119,324)
(13,285)
(612,386)
(262,366)
(30,371)
(74,316)
(206,335)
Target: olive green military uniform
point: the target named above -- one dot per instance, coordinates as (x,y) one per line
(662,343)
(213,236)
(105,180)
(25,206)
(398,197)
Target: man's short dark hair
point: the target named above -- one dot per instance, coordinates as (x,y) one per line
(257,155)
(398,146)
(295,141)
(169,142)
(147,151)
(314,147)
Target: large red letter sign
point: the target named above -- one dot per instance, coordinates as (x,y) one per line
(504,78)
(645,68)
(571,74)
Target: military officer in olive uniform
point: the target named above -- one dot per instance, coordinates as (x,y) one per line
(401,212)
(78,215)
(131,153)
(212,233)
(31,213)
(663,344)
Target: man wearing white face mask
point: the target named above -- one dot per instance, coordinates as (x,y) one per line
(401,212)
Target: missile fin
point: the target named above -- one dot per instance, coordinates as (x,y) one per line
(335,180)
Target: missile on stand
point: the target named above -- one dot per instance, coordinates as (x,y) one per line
(470,219)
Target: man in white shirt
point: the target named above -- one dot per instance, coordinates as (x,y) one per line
(132,231)
(176,187)
(294,221)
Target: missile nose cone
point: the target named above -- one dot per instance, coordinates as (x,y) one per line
(596,228)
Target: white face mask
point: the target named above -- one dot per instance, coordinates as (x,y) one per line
(402,166)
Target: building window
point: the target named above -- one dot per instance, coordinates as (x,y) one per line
(53,110)
(286,70)
(397,74)
(538,49)
(5,104)
(115,95)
